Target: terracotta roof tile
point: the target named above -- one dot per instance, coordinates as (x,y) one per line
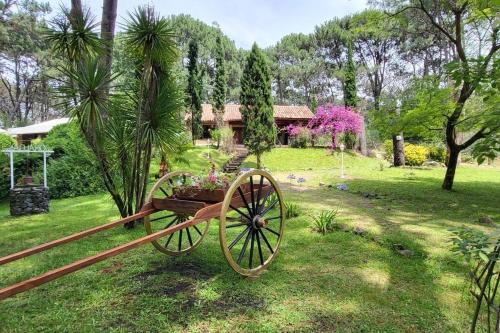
(232,112)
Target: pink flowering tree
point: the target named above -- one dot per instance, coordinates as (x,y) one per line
(335,120)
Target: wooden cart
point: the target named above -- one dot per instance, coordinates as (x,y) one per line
(251,221)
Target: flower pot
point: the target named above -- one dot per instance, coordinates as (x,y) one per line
(199,194)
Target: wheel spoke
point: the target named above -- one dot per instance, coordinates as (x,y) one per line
(172,222)
(189,236)
(271,230)
(266,241)
(179,246)
(240,212)
(261,257)
(197,230)
(265,199)
(243,250)
(234,219)
(234,225)
(169,239)
(245,201)
(250,258)
(273,218)
(252,195)
(164,192)
(259,192)
(271,206)
(237,239)
(162,217)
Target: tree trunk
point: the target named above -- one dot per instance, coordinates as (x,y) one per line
(76,11)
(398,146)
(362,138)
(451,167)
(258,160)
(107,34)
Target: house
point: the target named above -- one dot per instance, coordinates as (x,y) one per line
(24,135)
(284,115)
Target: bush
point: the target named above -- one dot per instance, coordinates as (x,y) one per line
(72,169)
(291,210)
(437,153)
(325,221)
(415,155)
(215,135)
(301,138)
(227,139)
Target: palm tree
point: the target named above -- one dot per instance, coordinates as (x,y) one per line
(142,116)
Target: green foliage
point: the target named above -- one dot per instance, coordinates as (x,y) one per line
(259,131)
(302,139)
(326,221)
(291,209)
(194,90)
(219,95)
(350,95)
(471,243)
(72,170)
(437,153)
(487,148)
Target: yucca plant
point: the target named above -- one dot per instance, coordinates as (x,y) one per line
(126,125)
(291,209)
(325,221)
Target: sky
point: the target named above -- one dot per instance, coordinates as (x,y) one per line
(264,22)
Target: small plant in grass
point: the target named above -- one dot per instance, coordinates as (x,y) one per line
(325,221)
(291,209)
(481,252)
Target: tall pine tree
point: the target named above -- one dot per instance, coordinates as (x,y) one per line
(194,91)
(350,96)
(259,129)
(219,97)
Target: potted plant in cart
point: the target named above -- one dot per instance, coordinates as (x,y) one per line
(211,188)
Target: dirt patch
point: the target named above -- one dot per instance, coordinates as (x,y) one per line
(192,270)
(179,287)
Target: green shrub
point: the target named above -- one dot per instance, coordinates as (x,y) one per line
(437,153)
(227,139)
(291,210)
(415,155)
(325,221)
(215,135)
(302,139)
(72,169)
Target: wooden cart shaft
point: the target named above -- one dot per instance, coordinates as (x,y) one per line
(204,211)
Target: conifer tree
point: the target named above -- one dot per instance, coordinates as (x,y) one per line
(194,91)
(350,96)
(259,129)
(220,86)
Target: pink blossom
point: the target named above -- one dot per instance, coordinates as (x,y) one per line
(330,119)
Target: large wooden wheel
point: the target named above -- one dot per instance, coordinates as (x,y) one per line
(250,236)
(184,240)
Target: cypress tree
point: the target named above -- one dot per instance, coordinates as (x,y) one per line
(219,97)
(259,129)
(194,91)
(350,97)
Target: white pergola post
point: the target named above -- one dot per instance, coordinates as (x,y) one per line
(28,150)
(11,157)
(44,169)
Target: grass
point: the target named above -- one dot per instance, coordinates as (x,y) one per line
(338,282)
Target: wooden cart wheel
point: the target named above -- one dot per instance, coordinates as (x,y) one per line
(184,240)
(250,236)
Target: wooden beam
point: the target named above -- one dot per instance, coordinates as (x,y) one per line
(77,265)
(78,235)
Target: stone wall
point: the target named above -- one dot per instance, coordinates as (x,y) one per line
(29,200)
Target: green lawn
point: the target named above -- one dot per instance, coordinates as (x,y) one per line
(340,282)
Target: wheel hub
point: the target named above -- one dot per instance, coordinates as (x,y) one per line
(259,222)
